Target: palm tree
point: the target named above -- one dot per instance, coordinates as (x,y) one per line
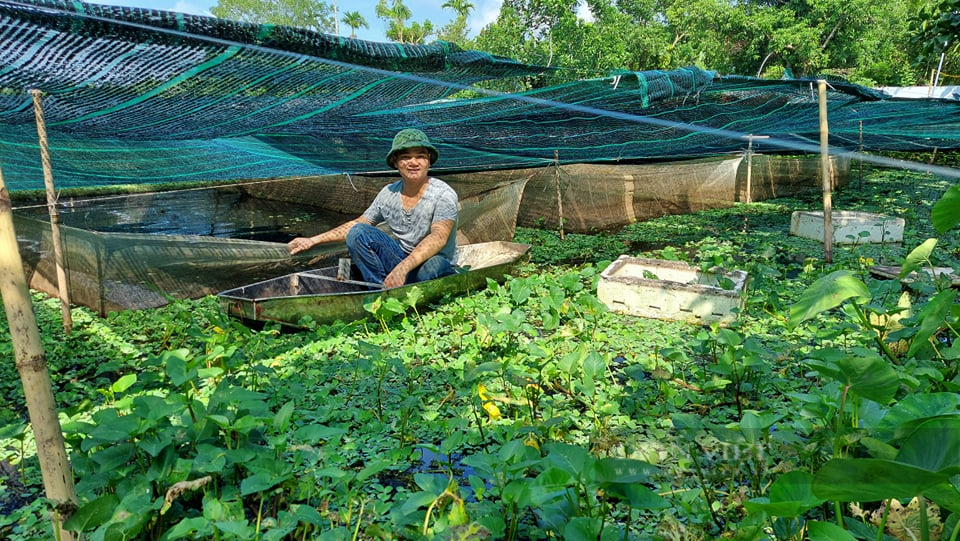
(462,7)
(396,15)
(354,20)
(456,30)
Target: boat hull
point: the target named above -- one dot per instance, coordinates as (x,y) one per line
(299,298)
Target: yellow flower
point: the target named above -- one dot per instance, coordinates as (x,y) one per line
(488,406)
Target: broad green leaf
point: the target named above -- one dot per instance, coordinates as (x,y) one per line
(934,446)
(754,425)
(827,531)
(554,476)
(239,529)
(932,318)
(827,293)
(517,492)
(123,383)
(372,468)
(115,457)
(612,471)
(92,514)
(790,496)
(594,366)
(154,408)
(573,458)
(282,419)
(946,496)
(582,529)
(189,528)
(946,212)
(867,375)
(176,366)
(917,258)
(912,410)
(414,296)
(637,496)
(307,513)
(260,482)
(416,501)
(872,480)
(432,483)
(316,433)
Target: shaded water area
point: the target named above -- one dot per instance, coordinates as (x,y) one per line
(224,212)
(140,250)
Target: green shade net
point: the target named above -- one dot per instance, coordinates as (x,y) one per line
(142,96)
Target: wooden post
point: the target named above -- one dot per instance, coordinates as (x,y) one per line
(54,215)
(750,139)
(825,174)
(556,161)
(860,159)
(34,374)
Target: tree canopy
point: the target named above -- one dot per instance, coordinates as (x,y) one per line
(310,14)
(891,43)
(864,41)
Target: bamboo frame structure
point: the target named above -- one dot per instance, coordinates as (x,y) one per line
(34,374)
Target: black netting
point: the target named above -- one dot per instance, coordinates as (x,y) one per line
(142,96)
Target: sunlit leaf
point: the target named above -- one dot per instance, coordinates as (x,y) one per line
(637,496)
(827,531)
(917,258)
(872,480)
(260,482)
(827,293)
(92,514)
(912,410)
(934,445)
(867,375)
(946,212)
(612,471)
(932,318)
(123,383)
(790,496)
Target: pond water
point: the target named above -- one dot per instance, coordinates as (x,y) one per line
(207,212)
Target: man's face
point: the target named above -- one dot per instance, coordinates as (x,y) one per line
(413,163)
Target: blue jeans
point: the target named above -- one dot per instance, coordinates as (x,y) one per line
(375,254)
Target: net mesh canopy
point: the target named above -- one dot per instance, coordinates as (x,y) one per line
(142,96)
(132,98)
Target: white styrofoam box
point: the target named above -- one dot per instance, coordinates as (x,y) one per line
(672,290)
(849,227)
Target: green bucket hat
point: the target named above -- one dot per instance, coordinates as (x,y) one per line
(411,138)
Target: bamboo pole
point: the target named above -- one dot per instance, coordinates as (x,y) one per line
(860,159)
(52,210)
(825,174)
(750,139)
(34,374)
(556,158)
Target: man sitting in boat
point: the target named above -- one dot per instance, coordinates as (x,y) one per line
(420,211)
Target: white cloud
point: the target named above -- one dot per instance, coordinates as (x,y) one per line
(484,13)
(583,12)
(190,8)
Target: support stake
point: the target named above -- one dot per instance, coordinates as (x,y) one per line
(34,374)
(52,210)
(825,174)
(749,188)
(556,162)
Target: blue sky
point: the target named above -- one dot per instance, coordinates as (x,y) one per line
(484,12)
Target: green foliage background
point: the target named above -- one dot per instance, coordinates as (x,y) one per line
(526,410)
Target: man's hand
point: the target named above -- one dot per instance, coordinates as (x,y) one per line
(397,277)
(299,244)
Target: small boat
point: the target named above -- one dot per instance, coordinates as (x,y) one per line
(323,298)
(892,272)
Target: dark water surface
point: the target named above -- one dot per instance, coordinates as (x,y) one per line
(206,212)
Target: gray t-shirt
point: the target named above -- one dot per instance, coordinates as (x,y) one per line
(439,202)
